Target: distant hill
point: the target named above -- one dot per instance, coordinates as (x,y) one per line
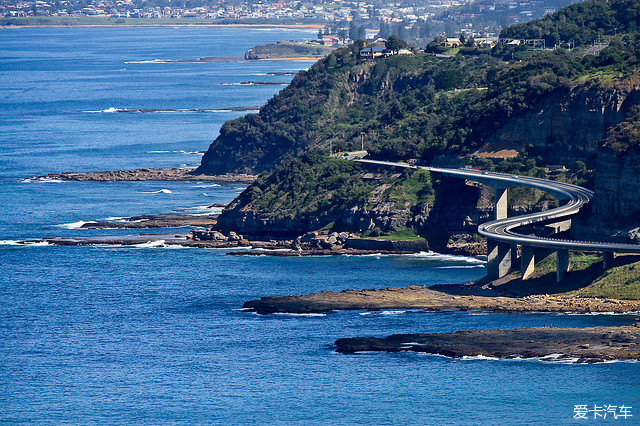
(582,23)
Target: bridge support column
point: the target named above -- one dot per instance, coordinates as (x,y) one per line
(607,260)
(498,259)
(500,202)
(562,264)
(527,261)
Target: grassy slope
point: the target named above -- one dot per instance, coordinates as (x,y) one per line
(619,282)
(585,278)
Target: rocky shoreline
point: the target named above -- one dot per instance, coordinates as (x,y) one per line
(155,221)
(166,174)
(576,345)
(441,300)
(253,247)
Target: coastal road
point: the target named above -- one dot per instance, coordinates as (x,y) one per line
(571,197)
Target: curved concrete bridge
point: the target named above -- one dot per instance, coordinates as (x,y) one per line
(502,233)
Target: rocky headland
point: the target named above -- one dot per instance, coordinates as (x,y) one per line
(288,50)
(578,345)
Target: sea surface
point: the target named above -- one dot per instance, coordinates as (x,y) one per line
(156,335)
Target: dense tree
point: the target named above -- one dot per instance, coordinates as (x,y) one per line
(395,43)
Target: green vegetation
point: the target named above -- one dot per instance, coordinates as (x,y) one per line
(625,137)
(581,23)
(620,282)
(317,189)
(584,279)
(399,234)
(288,49)
(415,188)
(312,184)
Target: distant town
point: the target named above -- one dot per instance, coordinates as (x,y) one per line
(344,18)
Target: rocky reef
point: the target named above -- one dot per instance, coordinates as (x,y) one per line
(167,174)
(421,297)
(583,345)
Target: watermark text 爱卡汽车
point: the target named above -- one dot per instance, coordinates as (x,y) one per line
(602,412)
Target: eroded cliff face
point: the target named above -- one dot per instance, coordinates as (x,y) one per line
(617,187)
(566,126)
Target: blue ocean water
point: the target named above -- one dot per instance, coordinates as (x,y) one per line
(141,335)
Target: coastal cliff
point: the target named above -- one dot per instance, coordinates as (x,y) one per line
(568,125)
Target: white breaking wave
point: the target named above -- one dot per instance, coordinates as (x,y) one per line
(479,358)
(123,220)
(189,152)
(203,210)
(41,180)
(158,152)
(207,186)
(160,191)
(36,243)
(390,312)
(23,243)
(149,61)
(292,314)
(74,225)
(378,255)
(151,244)
(108,110)
(446,257)
(460,267)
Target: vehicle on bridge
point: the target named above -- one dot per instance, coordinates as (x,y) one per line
(350,155)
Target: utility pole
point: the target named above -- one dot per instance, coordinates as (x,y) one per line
(362,141)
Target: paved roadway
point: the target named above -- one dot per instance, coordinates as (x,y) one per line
(504,230)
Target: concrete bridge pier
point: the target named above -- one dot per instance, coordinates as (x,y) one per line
(500,202)
(498,259)
(562,264)
(527,261)
(500,256)
(607,260)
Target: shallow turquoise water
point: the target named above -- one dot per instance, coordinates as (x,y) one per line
(122,335)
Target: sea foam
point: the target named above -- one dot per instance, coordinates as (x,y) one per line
(74,225)
(24,243)
(151,244)
(160,191)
